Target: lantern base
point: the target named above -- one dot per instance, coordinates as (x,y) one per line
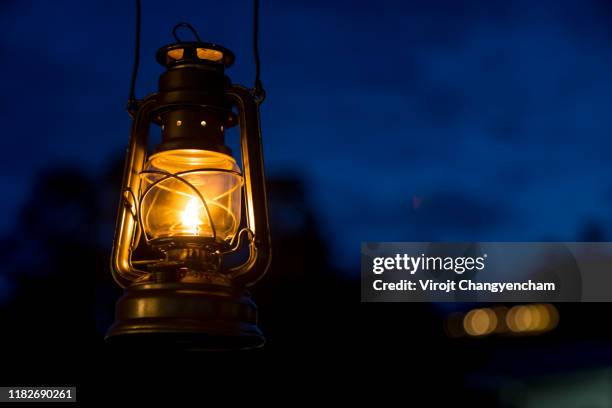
(185,316)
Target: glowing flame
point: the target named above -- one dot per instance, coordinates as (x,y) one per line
(190,217)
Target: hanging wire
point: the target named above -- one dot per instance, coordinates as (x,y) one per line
(132,101)
(187,26)
(258,90)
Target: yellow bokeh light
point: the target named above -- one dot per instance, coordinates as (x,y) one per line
(536,318)
(545,317)
(500,315)
(553,316)
(533,318)
(522,318)
(530,319)
(480,322)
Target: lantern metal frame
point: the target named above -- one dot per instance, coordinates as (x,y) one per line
(214,310)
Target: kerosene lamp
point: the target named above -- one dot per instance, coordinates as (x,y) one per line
(184,200)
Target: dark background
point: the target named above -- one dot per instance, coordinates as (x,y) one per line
(384,121)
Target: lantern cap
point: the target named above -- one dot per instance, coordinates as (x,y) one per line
(197,52)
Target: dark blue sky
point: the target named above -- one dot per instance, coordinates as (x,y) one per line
(447,120)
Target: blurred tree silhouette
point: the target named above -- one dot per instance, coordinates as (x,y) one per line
(51,256)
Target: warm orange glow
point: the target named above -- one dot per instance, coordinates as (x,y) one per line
(480,322)
(553,316)
(540,317)
(500,314)
(176,54)
(191,216)
(533,318)
(207,188)
(210,55)
(521,319)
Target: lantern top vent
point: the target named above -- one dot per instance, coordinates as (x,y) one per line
(195,53)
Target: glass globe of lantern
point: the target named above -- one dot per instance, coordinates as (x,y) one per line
(191,193)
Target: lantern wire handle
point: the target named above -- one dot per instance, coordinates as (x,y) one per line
(258,90)
(132,101)
(187,26)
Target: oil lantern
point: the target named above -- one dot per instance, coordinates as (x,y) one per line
(190,202)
